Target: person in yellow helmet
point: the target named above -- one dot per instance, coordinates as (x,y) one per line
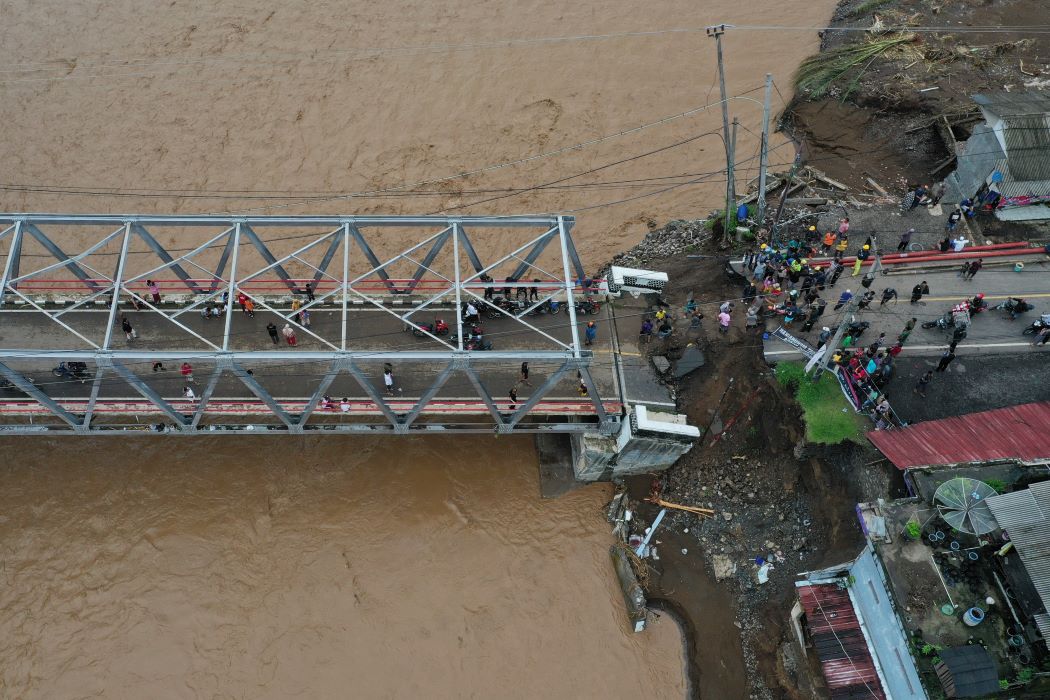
(841,246)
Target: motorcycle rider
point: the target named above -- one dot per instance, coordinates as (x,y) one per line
(978,304)
(1016,305)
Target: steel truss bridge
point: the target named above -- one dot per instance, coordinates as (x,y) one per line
(351,289)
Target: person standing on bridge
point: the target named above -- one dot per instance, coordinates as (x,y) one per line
(834,272)
(187,371)
(844,299)
(946,359)
(905,239)
(524,379)
(309,292)
(513,393)
(908,327)
(975,267)
(272,330)
(924,381)
(187,393)
(918,290)
(154,290)
(125,325)
(646,333)
(953,220)
(888,294)
(590,333)
(470,314)
(289,334)
(388,381)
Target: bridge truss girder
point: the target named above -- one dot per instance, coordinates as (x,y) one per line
(462,281)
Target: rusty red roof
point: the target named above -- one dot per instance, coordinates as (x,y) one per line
(839,643)
(1017,432)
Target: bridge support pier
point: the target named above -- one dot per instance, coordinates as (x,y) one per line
(647,442)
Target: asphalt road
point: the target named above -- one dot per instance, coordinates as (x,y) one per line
(368,329)
(990,332)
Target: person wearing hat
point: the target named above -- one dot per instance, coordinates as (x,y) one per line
(841,246)
(829,241)
(824,337)
(905,239)
(863,254)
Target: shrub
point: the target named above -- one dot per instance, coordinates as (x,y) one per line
(999,486)
(913,529)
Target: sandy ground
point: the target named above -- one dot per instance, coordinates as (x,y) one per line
(322,97)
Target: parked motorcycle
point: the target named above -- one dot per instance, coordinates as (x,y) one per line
(587,306)
(1037,325)
(72,370)
(425,330)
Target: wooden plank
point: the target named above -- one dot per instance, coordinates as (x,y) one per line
(877,187)
(825,179)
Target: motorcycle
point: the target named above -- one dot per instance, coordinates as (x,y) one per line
(857,328)
(587,306)
(1037,325)
(72,370)
(959,317)
(425,330)
(477,343)
(1014,307)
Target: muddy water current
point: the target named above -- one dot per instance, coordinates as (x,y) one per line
(337,568)
(332,568)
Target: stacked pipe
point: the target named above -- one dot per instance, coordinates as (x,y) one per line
(996,250)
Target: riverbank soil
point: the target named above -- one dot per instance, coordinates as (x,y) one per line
(774,497)
(880,119)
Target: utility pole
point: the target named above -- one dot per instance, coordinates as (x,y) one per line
(763,156)
(717,32)
(833,344)
(783,198)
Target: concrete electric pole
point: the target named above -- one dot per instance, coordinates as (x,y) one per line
(716,32)
(763,156)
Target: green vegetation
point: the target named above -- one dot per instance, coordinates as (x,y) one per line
(869,6)
(1025,675)
(818,73)
(997,485)
(913,529)
(829,417)
(1003,684)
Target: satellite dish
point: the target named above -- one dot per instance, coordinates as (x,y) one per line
(961,502)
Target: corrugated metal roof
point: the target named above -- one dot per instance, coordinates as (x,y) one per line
(1042,621)
(839,642)
(1011,187)
(1028,147)
(1017,432)
(1015,104)
(1025,516)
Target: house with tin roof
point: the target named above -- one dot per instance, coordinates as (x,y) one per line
(1005,164)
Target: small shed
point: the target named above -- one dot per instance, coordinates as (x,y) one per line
(967,672)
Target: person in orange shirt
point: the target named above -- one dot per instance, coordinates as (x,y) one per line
(829,241)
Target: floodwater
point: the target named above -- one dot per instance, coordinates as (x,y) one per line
(408,567)
(402,567)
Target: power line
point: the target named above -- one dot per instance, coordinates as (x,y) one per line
(366,53)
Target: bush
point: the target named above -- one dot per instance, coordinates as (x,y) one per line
(997,485)
(913,529)
(1025,675)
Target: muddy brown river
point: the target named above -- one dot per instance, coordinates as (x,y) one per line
(410,567)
